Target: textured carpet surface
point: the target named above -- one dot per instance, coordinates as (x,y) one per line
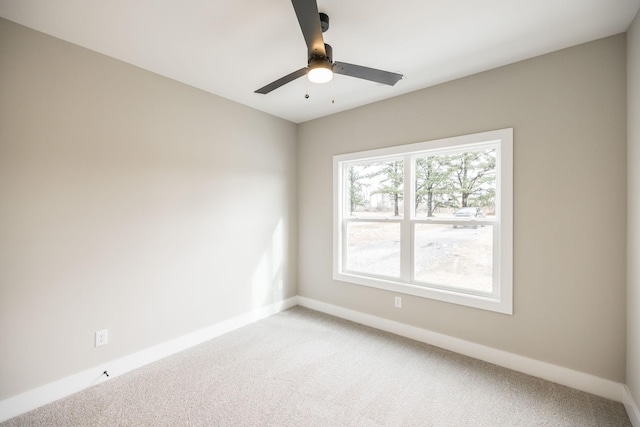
(303,368)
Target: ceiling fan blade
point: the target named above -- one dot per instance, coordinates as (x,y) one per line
(366,73)
(282,81)
(309,20)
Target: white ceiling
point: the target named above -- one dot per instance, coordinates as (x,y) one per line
(231,48)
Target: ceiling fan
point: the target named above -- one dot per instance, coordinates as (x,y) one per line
(320,67)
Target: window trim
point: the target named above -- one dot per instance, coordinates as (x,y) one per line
(502,299)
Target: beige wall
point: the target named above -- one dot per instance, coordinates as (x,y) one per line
(129,202)
(633,216)
(120,209)
(568,111)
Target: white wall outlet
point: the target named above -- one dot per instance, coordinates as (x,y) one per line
(102,337)
(280,285)
(398,302)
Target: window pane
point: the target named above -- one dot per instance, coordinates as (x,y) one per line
(373,248)
(454,256)
(448,184)
(375,189)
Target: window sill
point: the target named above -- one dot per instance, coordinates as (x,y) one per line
(501,304)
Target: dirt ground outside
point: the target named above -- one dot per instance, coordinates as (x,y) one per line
(460,257)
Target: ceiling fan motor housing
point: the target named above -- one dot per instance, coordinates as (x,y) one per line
(329,50)
(319,58)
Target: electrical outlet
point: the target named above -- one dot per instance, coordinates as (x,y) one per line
(280,285)
(102,337)
(398,302)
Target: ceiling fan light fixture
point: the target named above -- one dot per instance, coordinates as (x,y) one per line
(320,71)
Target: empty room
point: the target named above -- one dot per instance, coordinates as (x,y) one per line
(320,213)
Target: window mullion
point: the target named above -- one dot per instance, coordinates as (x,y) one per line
(406,246)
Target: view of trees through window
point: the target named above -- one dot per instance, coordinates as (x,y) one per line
(451,187)
(443,184)
(377,188)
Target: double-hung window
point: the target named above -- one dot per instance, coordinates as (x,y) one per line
(432,219)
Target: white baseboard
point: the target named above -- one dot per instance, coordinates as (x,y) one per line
(48,393)
(557,374)
(632,408)
(51,392)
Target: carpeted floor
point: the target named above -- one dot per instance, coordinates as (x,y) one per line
(303,368)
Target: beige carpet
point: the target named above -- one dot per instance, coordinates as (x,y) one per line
(303,368)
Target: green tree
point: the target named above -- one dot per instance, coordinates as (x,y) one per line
(474,176)
(356,193)
(391,184)
(432,182)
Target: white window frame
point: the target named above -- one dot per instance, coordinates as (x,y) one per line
(501,299)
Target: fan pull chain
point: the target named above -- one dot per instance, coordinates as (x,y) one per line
(306,96)
(333,101)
